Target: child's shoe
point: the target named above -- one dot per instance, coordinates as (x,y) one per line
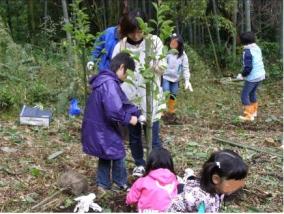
(138,171)
(255,108)
(248,113)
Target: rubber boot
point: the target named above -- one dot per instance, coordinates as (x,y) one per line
(255,108)
(171,106)
(248,111)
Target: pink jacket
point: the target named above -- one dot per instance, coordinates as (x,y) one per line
(153,192)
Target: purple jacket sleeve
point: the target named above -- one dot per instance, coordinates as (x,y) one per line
(113,105)
(247,60)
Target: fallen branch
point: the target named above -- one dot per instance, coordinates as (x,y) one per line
(219,140)
(45,201)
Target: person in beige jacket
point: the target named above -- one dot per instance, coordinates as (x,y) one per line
(136,91)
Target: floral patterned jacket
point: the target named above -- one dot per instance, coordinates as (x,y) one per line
(192,196)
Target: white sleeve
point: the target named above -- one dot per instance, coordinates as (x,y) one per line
(185,65)
(116,50)
(160,64)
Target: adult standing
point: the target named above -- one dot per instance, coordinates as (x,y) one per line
(104,46)
(134,42)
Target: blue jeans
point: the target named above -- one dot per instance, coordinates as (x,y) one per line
(172,87)
(119,173)
(135,140)
(248,95)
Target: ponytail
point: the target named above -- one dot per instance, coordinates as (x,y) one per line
(206,183)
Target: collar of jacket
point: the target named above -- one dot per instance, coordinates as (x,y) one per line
(131,42)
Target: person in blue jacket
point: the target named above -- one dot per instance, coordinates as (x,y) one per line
(106,108)
(104,46)
(253,74)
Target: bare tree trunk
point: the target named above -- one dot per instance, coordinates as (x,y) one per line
(9,19)
(202,35)
(68,34)
(104,14)
(213,46)
(144,6)
(149,100)
(242,16)
(281,31)
(125,6)
(247,15)
(190,32)
(45,15)
(235,12)
(216,23)
(194,33)
(31,20)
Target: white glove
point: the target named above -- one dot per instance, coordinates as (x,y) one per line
(240,77)
(90,65)
(187,85)
(85,203)
(142,119)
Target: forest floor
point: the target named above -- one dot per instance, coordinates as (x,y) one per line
(28,174)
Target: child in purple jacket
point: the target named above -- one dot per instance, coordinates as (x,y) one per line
(155,190)
(106,107)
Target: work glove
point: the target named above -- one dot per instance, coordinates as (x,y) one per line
(142,119)
(240,77)
(85,203)
(90,65)
(187,85)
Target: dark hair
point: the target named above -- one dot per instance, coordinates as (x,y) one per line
(226,164)
(122,58)
(129,23)
(247,38)
(180,44)
(159,158)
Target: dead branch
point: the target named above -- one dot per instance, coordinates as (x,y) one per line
(47,199)
(219,140)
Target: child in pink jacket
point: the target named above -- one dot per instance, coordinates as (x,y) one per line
(155,190)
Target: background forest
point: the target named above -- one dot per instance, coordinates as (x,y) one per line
(44,47)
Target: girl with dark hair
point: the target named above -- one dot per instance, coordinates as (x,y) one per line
(222,174)
(155,190)
(177,64)
(135,88)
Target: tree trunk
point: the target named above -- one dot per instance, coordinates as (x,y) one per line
(194,33)
(190,32)
(149,99)
(144,6)
(242,16)
(235,12)
(213,46)
(104,14)
(125,6)
(247,16)
(68,34)
(45,15)
(9,19)
(31,20)
(216,23)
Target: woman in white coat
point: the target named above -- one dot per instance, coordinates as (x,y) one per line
(136,93)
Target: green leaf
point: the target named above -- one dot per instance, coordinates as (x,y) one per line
(35,171)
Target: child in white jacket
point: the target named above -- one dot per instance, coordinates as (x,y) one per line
(177,64)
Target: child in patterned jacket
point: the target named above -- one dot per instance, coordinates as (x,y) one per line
(222,174)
